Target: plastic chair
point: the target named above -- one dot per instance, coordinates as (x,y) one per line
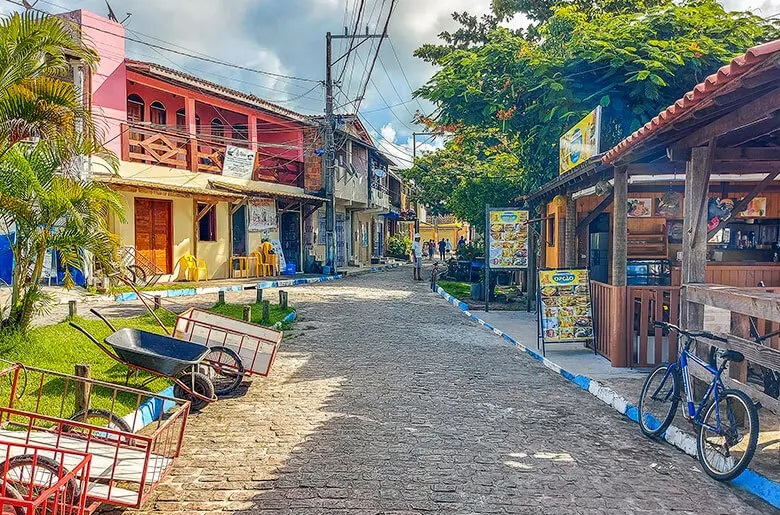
(271,262)
(261,268)
(194,268)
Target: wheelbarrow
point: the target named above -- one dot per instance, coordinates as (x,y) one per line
(160,356)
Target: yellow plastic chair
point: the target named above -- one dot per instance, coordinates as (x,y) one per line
(270,262)
(194,267)
(261,268)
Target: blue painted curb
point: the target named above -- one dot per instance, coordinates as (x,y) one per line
(750,481)
(188,292)
(290,318)
(150,410)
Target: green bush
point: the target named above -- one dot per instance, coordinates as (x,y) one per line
(399,246)
(472,250)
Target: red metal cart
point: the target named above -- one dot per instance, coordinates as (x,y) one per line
(130,454)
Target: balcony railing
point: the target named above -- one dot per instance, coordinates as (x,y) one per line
(164,147)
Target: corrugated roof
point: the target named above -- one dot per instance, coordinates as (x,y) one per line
(260,188)
(113,180)
(213,88)
(706,90)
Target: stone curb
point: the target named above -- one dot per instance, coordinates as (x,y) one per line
(188,292)
(750,481)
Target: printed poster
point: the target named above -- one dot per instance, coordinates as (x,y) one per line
(262,215)
(239,162)
(564,305)
(279,252)
(508,239)
(581,142)
(756,208)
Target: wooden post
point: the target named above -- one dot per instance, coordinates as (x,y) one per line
(694,248)
(83,389)
(259,296)
(157,302)
(740,326)
(72,311)
(220,297)
(620,227)
(192,128)
(247,313)
(266,311)
(570,233)
(283,299)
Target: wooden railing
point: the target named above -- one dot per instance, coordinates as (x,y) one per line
(154,146)
(743,276)
(609,308)
(648,346)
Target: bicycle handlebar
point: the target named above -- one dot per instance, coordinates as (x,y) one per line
(689,334)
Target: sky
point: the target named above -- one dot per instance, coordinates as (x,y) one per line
(287,37)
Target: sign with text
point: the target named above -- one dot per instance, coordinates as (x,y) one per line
(262,215)
(508,239)
(279,252)
(581,142)
(239,162)
(565,313)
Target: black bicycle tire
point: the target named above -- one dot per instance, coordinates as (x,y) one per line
(47,463)
(752,443)
(120,423)
(653,433)
(203,386)
(240,370)
(12,493)
(138,273)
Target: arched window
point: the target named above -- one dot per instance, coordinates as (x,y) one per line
(217,128)
(135,108)
(181,121)
(157,113)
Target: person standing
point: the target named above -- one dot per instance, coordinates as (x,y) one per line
(416,255)
(447,246)
(461,244)
(431,249)
(442,250)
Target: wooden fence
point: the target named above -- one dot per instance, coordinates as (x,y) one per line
(609,308)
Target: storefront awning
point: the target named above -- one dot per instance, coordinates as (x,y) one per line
(121,183)
(261,189)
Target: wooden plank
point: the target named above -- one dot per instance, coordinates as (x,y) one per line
(743,167)
(620,227)
(659,168)
(754,302)
(740,326)
(743,154)
(585,223)
(758,109)
(570,234)
(766,401)
(644,301)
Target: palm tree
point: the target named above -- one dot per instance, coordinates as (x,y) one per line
(44,131)
(50,211)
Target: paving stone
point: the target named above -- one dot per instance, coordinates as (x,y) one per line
(384,399)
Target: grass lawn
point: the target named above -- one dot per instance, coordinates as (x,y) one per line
(459,290)
(158,287)
(59,347)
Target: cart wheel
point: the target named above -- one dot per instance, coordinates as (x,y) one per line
(198,383)
(139,275)
(224,368)
(99,418)
(30,475)
(9,492)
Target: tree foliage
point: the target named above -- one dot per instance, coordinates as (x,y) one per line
(526,89)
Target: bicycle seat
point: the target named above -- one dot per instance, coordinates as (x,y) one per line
(732,355)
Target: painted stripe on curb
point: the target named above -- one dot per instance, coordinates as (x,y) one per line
(188,292)
(750,481)
(149,411)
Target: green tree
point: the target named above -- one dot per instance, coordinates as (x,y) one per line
(44,133)
(531,88)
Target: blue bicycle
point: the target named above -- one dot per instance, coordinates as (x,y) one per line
(727,419)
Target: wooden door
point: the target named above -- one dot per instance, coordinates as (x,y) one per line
(153,231)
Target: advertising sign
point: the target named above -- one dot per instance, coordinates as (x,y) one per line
(279,252)
(508,238)
(564,306)
(262,215)
(581,142)
(239,162)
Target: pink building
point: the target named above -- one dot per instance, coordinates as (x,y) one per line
(205,170)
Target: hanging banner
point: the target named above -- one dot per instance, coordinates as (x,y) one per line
(581,142)
(239,162)
(262,215)
(508,238)
(565,313)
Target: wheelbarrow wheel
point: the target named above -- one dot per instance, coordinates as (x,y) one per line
(223,366)
(99,418)
(198,383)
(31,475)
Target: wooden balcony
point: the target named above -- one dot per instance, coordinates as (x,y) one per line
(165,147)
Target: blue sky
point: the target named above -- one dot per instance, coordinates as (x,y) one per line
(288,37)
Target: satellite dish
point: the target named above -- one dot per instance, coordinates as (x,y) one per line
(378,172)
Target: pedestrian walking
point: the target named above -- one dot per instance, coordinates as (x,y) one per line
(431,249)
(448,246)
(416,255)
(442,250)
(461,244)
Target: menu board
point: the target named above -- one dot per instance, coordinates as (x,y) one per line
(508,239)
(565,313)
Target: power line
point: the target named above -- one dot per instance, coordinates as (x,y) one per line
(403,73)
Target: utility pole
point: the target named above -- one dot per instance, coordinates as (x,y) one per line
(329,157)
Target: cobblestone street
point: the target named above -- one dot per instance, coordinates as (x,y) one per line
(385,399)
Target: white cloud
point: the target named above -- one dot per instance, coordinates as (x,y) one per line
(402,150)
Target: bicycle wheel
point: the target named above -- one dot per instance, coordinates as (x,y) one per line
(31,475)
(658,400)
(223,366)
(99,418)
(9,492)
(725,453)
